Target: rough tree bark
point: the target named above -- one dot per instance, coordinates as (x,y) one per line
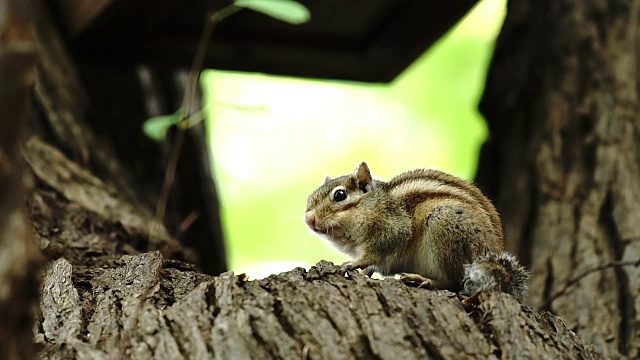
(96,303)
(563,165)
(104,296)
(19,261)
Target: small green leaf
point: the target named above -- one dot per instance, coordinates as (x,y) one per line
(284,10)
(156,127)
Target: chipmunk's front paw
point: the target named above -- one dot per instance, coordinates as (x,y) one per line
(416,279)
(367,270)
(364,263)
(348,266)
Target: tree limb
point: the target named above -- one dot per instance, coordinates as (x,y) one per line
(317,312)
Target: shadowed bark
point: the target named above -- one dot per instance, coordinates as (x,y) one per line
(19,260)
(563,164)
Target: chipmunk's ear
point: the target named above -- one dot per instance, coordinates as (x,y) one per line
(363,175)
(326,180)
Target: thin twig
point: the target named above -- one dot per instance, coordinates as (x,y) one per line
(194,76)
(186,224)
(576,279)
(198,61)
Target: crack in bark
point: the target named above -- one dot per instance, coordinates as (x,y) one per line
(530,218)
(627,313)
(182,349)
(487,330)
(432,350)
(383,302)
(364,338)
(278,312)
(548,283)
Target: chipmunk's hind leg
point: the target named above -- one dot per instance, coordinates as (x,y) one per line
(454,238)
(417,279)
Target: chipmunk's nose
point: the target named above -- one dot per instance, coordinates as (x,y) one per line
(310,219)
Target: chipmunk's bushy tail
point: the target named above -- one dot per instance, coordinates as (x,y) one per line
(500,272)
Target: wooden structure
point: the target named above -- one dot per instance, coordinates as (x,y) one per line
(350,40)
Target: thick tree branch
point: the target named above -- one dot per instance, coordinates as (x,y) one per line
(317,313)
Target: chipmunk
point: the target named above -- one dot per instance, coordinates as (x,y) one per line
(426,225)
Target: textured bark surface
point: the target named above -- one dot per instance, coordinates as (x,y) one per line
(19,259)
(95,115)
(98,303)
(142,308)
(84,219)
(563,165)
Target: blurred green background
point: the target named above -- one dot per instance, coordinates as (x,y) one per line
(275,138)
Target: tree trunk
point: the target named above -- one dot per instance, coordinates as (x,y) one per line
(19,260)
(562,105)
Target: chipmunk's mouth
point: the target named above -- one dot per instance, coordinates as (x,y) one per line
(320,226)
(321,230)
(325,231)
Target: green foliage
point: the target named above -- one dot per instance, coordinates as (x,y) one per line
(288,11)
(156,127)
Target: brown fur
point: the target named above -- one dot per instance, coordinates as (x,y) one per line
(422,221)
(459,183)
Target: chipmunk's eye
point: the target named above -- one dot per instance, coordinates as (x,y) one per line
(339,195)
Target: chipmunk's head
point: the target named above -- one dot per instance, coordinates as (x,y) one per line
(332,208)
